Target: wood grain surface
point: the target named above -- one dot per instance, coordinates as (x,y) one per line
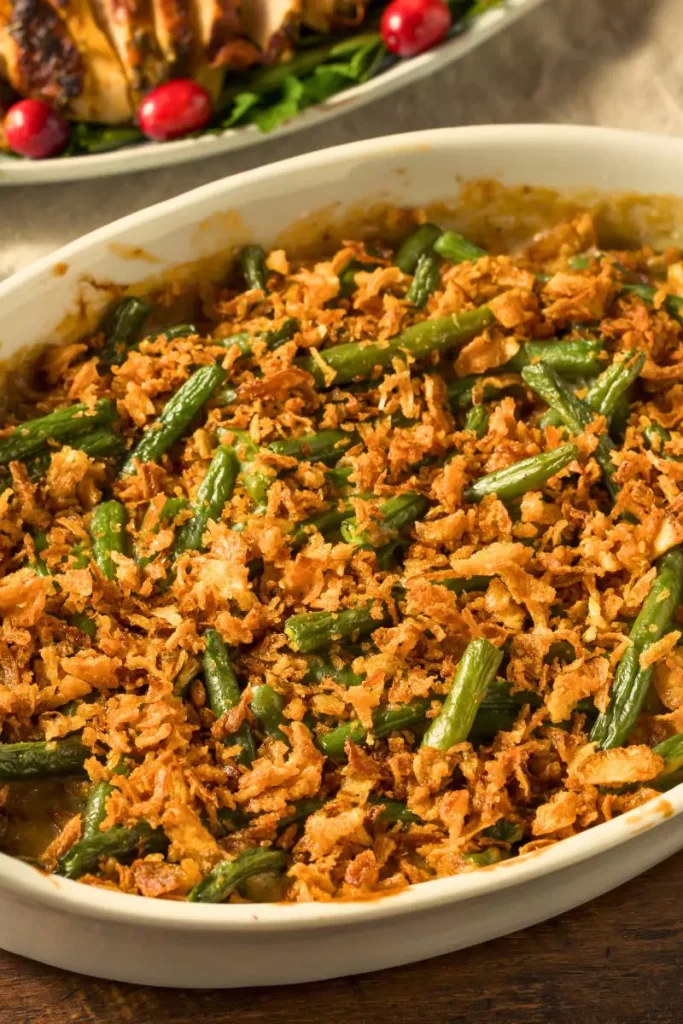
(617,960)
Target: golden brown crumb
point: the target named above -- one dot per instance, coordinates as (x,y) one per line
(565,570)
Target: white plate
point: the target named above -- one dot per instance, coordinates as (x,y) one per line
(147,155)
(158,942)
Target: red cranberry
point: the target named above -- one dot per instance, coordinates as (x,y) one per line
(411,26)
(174,109)
(35,129)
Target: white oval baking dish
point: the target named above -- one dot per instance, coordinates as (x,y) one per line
(146,941)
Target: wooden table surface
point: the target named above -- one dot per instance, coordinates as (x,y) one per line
(617,960)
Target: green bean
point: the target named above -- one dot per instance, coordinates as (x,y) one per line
(108,535)
(81,556)
(230,820)
(253,263)
(228,875)
(499,710)
(40,543)
(420,242)
(171,508)
(575,357)
(176,416)
(326,446)
(347,277)
(272,339)
(612,385)
(95,809)
(671,750)
(393,812)
(223,690)
(477,421)
(485,858)
(321,668)
(501,706)
(384,722)
(609,389)
(576,415)
(457,248)
(243,341)
(631,682)
(327,523)
(61,425)
(458,585)
(277,337)
(313,631)
(656,437)
(673,304)
(581,262)
(398,512)
(426,280)
(214,492)
(358,360)
(571,357)
(560,650)
(225,396)
(391,555)
(118,842)
(83,622)
(221,682)
(99,443)
(505,831)
(620,417)
(461,390)
(256,477)
(179,331)
(526,475)
(266,707)
(122,327)
(302,809)
(388,720)
(41,760)
(96,806)
(476,670)
(338,476)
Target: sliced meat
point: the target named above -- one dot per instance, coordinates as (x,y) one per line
(215,23)
(219,41)
(173,28)
(324,15)
(38,53)
(54,51)
(266,21)
(129,27)
(105,95)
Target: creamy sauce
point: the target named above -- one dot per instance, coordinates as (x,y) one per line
(36,812)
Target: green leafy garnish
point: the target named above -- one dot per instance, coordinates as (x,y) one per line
(275,95)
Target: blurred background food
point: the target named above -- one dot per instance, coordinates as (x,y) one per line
(112,68)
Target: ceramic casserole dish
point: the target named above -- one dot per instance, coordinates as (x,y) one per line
(146,941)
